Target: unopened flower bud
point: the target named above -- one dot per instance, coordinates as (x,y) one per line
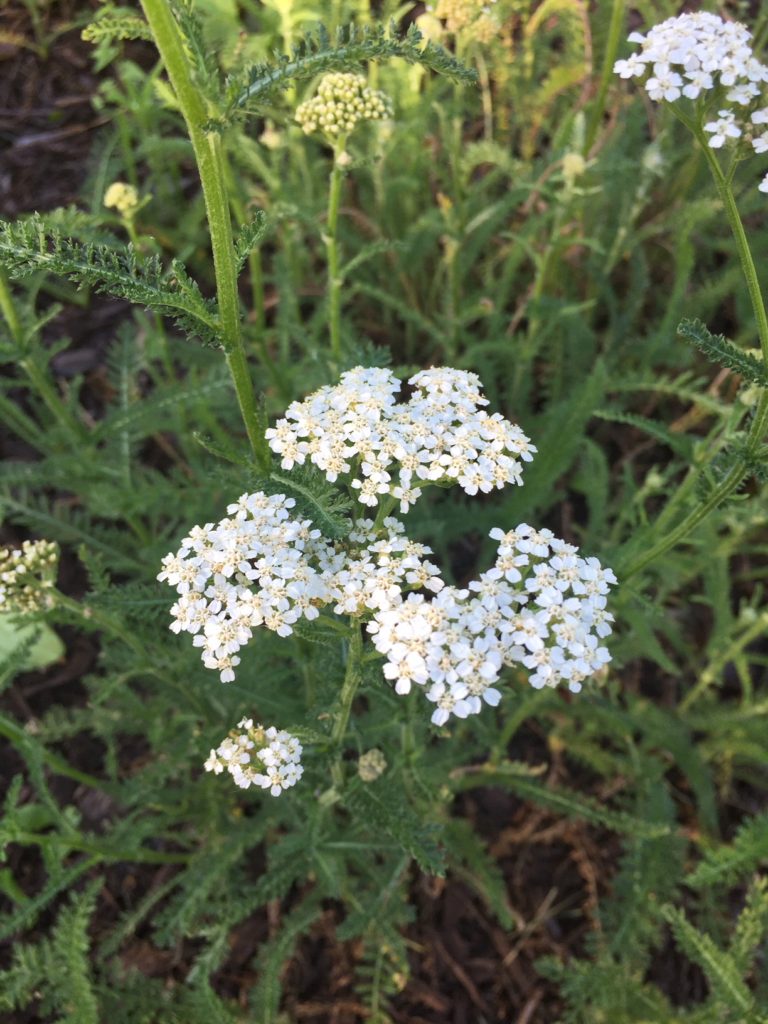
(371,765)
(121,197)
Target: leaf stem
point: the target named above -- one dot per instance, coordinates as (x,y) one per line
(209,154)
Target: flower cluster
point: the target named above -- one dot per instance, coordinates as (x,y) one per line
(121,197)
(27,576)
(343,99)
(255,756)
(541,606)
(700,55)
(439,435)
(262,567)
(695,53)
(471,17)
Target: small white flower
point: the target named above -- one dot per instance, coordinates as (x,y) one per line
(278,752)
(722,129)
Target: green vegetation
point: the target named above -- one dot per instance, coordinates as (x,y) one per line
(525,216)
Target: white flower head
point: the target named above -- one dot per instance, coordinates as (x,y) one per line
(28,576)
(548,619)
(255,756)
(343,100)
(395,449)
(693,54)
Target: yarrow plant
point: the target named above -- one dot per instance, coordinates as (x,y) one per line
(702,58)
(541,606)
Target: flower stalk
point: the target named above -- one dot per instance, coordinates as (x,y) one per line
(759,424)
(332,250)
(209,154)
(352,678)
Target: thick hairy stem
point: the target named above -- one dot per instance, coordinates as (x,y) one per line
(332,252)
(209,155)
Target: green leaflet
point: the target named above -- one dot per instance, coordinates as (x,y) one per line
(318,53)
(719,350)
(35,244)
(562,801)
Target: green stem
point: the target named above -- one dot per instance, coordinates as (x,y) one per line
(8,309)
(16,735)
(714,669)
(606,73)
(210,159)
(759,424)
(332,252)
(102,851)
(352,680)
(725,192)
(100,620)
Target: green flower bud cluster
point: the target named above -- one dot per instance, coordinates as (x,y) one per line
(27,576)
(342,100)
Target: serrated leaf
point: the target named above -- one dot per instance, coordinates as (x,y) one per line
(561,801)
(721,971)
(718,349)
(249,236)
(317,54)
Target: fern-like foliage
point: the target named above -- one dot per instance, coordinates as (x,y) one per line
(56,970)
(382,807)
(677,442)
(745,853)
(116,23)
(272,957)
(249,236)
(202,59)
(722,972)
(720,350)
(33,245)
(562,801)
(351,46)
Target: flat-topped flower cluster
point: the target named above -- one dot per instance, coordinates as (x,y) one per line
(700,56)
(696,53)
(261,567)
(473,18)
(541,606)
(441,434)
(255,756)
